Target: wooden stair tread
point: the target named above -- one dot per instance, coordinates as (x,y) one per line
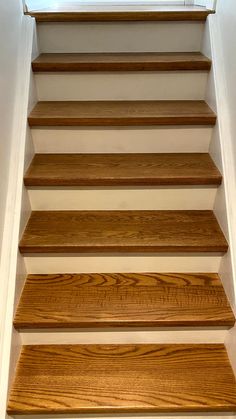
(122,379)
(123,299)
(122,231)
(168,61)
(122,169)
(94,113)
(79,13)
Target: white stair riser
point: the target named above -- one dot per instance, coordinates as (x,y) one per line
(175,139)
(103,336)
(92,263)
(180,85)
(99,198)
(120,37)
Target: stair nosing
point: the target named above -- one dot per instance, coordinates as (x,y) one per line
(172,325)
(125,16)
(41,171)
(114,113)
(202,63)
(111,243)
(106,300)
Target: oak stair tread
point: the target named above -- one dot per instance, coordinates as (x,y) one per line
(86,379)
(123,299)
(122,169)
(122,231)
(112,113)
(166,61)
(78,13)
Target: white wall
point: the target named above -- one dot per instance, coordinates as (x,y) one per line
(16,34)
(10,26)
(220,44)
(209,4)
(44,4)
(225,60)
(224,47)
(226,15)
(11,16)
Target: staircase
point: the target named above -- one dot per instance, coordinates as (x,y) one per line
(123,310)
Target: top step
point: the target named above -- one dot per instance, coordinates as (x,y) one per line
(126,14)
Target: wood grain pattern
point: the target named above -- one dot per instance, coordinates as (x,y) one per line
(122,169)
(66,12)
(168,61)
(121,300)
(122,379)
(122,231)
(112,113)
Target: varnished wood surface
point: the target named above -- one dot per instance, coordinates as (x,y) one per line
(95,113)
(122,379)
(122,231)
(123,299)
(168,61)
(74,12)
(122,169)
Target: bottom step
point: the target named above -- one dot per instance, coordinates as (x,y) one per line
(85,379)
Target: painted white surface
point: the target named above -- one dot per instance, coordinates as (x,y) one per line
(222,149)
(11,14)
(38,4)
(176,139)
(200,2)
(162,198)
(44,4)
(123,336)
(9,273)
(12,270)
(219,42)
(120,37)
(209,4)
(219,148)
(173,85)
(92,263)
(224,42)
(224,33)
(230,343)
